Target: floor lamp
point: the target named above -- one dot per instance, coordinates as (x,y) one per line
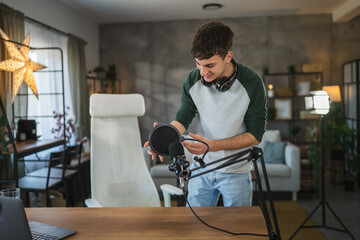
(319,103)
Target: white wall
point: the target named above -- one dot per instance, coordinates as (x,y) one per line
(58,15)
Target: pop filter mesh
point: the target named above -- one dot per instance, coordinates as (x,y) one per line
(161,136)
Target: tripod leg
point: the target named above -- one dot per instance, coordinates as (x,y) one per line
(337,218)
(302,224)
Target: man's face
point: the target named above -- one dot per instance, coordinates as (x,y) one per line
(213,68)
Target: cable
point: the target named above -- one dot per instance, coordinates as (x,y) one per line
(219,229)
(207,150)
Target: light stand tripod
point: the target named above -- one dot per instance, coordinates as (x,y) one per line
(323,203)
(179,166)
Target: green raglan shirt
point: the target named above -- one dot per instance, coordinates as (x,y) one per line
(220,115)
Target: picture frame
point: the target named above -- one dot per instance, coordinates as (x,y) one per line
(283,108)
(303,88)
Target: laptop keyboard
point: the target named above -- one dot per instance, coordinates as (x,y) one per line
(41,236)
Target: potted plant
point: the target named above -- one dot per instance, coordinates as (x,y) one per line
(348,142)
(342,141)
(70,128)
(100,71)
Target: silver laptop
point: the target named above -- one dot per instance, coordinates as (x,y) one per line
(14,224)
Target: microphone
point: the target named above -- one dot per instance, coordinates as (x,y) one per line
(179,164)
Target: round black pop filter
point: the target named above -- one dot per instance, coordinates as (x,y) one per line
(161,136)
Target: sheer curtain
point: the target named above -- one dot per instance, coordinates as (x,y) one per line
(78,85)
(12,23)
(48,80)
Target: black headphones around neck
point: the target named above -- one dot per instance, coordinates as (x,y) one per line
(224,83)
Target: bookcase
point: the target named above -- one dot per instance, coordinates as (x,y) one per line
(286,94)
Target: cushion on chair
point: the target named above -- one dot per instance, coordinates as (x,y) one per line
(117,105)
(274,152)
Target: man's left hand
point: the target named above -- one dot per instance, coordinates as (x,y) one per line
(198,147)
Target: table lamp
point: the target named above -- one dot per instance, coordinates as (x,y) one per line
(334,92)
(270,91)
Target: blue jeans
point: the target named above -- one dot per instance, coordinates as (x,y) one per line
(235,188)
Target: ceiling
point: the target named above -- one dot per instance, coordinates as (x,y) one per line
(117,11)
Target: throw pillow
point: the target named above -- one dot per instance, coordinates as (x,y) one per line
(274,152)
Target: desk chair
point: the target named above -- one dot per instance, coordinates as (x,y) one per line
(73,162)
(72,153)
(119,175)
(46,179)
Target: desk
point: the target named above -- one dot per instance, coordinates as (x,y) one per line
(28,147)
(153,223)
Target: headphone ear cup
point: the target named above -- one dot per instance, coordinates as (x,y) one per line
(205,83)
(219,85)
(226,86)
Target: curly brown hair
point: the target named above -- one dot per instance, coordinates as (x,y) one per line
(212,38)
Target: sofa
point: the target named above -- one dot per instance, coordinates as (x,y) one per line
(284,176)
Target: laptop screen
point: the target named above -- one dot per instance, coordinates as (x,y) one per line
(14,224)
(13,221)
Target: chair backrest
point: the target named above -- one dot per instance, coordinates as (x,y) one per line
(56,159)
(119,175)
(74,152)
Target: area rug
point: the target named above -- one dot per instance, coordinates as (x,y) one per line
(290,215)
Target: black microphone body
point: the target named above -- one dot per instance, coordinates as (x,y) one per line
(179,163)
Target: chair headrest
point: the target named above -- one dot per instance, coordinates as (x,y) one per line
(117,105)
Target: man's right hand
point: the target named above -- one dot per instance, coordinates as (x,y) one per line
(150,151)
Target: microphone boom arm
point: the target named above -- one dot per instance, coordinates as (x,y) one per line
(233,159)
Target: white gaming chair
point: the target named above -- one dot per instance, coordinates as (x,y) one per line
(119,175)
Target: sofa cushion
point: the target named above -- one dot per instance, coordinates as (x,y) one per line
(275,170)
(274,152)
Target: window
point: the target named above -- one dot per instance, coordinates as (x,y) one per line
(48,80)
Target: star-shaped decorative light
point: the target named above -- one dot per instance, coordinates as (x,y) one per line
(21,65)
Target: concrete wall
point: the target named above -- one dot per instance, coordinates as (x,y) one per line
(60,16)
(153,58)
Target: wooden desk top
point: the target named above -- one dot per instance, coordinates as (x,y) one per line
(153,223)
(28,147)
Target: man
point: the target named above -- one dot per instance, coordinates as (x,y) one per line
(229,103)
